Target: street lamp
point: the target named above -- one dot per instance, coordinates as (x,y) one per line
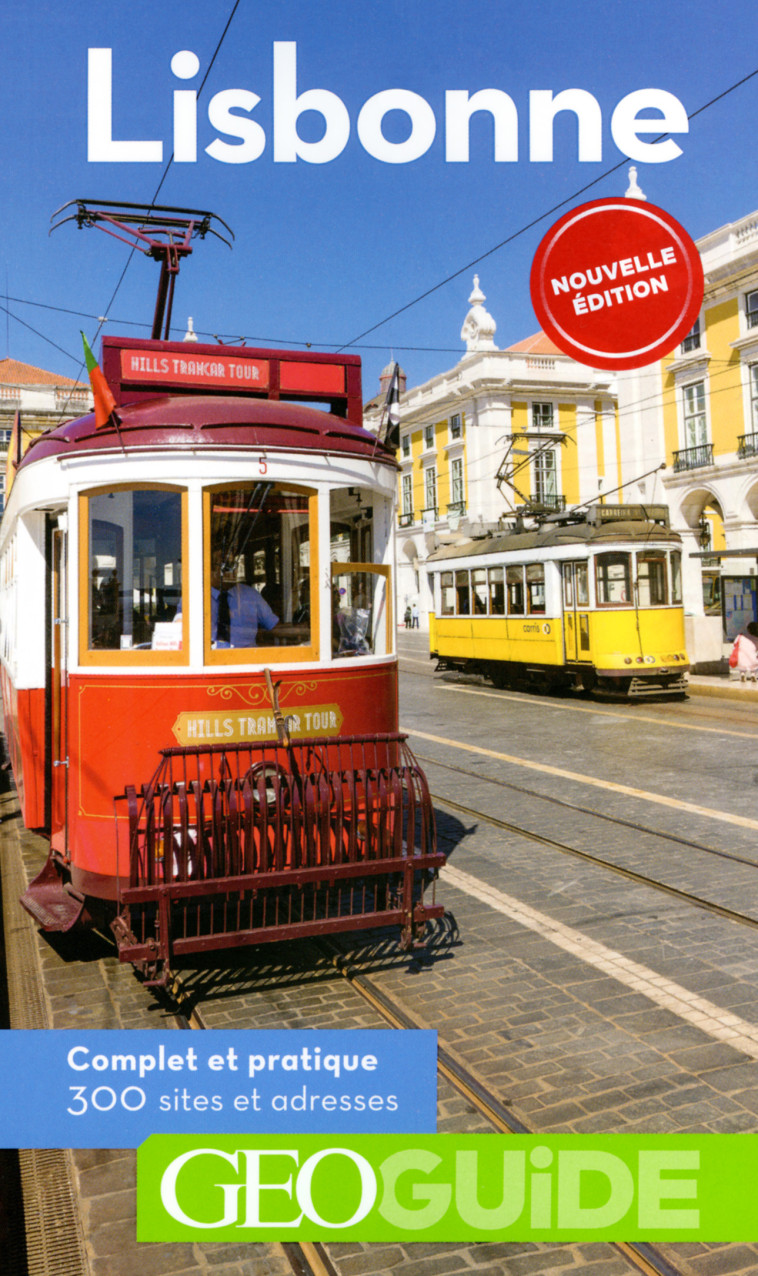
(704,528)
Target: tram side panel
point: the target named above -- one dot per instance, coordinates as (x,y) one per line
(23,611)
(118,725)
(524,640)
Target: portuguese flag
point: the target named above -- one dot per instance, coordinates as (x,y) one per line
(104,400)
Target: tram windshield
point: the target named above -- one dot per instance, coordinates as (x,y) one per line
(614,579)
(258,585)
(134,569)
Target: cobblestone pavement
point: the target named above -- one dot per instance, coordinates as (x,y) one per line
(566,1045)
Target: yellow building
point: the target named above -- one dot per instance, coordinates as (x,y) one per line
(502,432)
(697,413)
(40,400)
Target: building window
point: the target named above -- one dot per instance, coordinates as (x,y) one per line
(456,481)
(754,395)
(693,414)
(408,494)
(428,436)
(542,416)
(751,309)
(405,444)
(545,477)
(430,488)
(456,428)
(692,340)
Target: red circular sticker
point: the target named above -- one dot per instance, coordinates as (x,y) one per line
(617,283)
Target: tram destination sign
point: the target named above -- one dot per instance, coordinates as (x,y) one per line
(199,369)
(221,371)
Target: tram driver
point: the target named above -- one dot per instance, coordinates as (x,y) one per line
(237,610)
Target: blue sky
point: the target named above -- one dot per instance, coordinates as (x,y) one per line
(324,252)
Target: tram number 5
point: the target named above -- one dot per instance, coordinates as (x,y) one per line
(262,465)
(104,1099)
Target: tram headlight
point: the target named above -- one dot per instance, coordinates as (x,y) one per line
(627,660)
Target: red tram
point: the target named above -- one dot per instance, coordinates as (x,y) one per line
(198,664)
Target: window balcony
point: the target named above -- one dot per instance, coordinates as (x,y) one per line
(457,507)
(747,445)
(406,520)
(548,500)
(693,458)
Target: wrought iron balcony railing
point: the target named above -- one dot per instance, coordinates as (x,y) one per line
(747,445)
(693,458)
(548,500)
(406,520)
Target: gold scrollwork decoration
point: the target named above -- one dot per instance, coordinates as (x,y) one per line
(256,694)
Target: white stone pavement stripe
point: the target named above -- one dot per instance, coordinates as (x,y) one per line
(598,712)
(743,821)
(699,1012)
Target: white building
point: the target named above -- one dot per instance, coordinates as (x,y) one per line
(500,430)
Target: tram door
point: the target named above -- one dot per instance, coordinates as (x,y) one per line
(58,666)
(576,616)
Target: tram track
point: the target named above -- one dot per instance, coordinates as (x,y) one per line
(309,1259)
(620,870)
(579,809)
(312,1259)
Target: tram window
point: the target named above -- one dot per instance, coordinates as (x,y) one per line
(676,576)
(447,594)
(360,610)
(582,585)
(462,594)
(479,590)
(497,591)
(134,554)
(515,584)
(568,585)
(535,585)
(258,586)
(613,577)
(652,588)
(360,523)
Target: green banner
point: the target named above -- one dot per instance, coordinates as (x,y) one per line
(449,1187)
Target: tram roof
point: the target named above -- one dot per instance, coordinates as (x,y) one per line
(179,422)
(557,535)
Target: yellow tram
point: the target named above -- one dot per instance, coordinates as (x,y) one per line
(589,599)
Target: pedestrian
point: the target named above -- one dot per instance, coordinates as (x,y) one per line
(408,616)
(414,616)
(744,657)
